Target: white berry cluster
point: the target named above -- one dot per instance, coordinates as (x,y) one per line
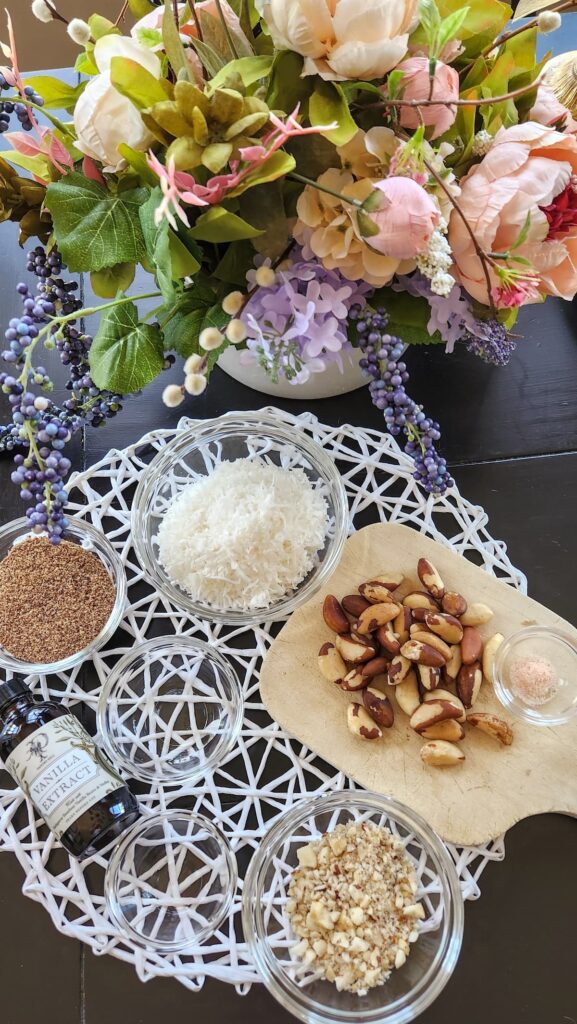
(436,261)
(482,143)
(209,340)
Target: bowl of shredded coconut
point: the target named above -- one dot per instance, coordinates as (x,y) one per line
(240,519)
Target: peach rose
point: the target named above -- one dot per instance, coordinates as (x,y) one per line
(342,39)
(416,86)
(530,169)
(406,218)
(549,110)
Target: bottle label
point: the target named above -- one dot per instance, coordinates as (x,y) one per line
(62,771)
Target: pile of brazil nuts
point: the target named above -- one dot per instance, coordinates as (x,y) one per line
(427,647)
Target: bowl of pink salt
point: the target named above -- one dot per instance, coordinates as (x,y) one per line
(535,675)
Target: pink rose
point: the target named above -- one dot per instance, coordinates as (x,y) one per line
(406,218)
(529,170)
(416,85)
(548,110)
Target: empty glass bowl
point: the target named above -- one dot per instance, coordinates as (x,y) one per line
(432,959)
(194,454)
(171,881)
(77,532)
(535,675)
(170,710)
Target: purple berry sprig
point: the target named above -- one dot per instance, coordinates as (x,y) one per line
(14,105)
(382,362)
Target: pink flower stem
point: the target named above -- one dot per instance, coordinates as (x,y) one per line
(122,14)
(324,188)
(19,84)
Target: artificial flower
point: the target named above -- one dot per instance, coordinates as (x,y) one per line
(525,184)
(103,118)
(368,154)
(47,145)
(144,31)
(416,85)
(327,228)
(548,110)
(342,39)
(406,218)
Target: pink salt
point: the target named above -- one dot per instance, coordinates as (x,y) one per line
(532,680)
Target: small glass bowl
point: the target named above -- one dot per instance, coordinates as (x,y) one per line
(77,532)
(554,646)
(171,881)
(170,710)
(433,957)
(193,455)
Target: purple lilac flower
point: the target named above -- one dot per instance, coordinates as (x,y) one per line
(299,325)
(453,318)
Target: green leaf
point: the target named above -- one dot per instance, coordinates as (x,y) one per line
(149,37)
(184,263)
(100,27)
(250,69)
(37,165)
(263,207)
(140,7)
(57,95)
(236,262)
(430,21)
(170,256)
(85,63)
(484,21)
(125,354)
(109,282)
(173,43)
(286,86)
(522,236)
(220,225)
(450,27)
(277,166)
(182,332)
(313,154)
(136,83)
(409,316)
(395,84)
(137,161)
(93,227)
(211,61)
(214,33)
(328,105)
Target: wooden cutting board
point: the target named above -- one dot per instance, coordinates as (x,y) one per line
(495,786)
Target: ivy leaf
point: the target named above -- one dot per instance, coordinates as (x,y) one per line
(93,227)
(125,354)
(57,95)
(109,282)
(220,225)
(173,43)
(328,105)
(233,267)
(169,255)
(183,330)
(136,83)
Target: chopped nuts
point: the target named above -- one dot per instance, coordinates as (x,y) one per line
(354,912)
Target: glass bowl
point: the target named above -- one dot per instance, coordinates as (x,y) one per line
(432,959)
(555,647)
(77,532)
(192,455)
(170,710)
(171,881)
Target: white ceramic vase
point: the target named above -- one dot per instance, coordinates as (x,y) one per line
(328,384)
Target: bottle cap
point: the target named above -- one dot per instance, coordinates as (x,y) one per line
(11,689)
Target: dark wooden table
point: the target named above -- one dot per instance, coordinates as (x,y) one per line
(510,436)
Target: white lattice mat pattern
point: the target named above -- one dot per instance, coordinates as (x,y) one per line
(267,771)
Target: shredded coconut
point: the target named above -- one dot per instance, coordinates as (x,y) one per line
(243,537)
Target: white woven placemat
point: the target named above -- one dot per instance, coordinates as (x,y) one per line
(268,771)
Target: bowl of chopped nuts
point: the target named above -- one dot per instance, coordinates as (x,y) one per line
(352,911)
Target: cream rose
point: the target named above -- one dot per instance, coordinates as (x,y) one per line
(342,39)
(103,118)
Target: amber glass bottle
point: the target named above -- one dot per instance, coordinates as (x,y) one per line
(71,783)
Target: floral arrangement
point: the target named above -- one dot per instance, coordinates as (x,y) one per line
(298,179)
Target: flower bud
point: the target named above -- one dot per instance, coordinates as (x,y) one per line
(548,21)
(236,332)
(195,383)
(232,303)
(79,31)
(193,364)
(41,10)
(172,396)
(210,339)
(265,277)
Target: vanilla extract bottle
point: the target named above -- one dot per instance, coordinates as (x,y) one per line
(70,782)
